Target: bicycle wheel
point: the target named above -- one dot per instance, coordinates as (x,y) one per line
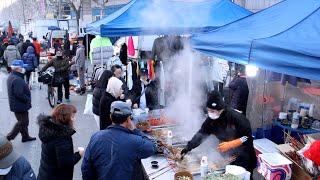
(51,97)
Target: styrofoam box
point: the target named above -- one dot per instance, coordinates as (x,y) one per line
(274,166)
(265,146)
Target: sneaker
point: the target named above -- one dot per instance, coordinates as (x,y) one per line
(29,139)
(68,101)
(58,102)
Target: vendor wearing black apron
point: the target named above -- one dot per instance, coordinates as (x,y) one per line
(231,128)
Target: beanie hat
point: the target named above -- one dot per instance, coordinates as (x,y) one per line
(7,155)
(215,101)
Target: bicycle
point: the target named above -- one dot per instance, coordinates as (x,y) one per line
(46,78)
(51,96)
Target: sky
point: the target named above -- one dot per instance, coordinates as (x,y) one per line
(5,3)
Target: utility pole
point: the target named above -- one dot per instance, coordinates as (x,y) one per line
(59,9)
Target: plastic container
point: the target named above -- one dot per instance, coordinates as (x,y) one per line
(311,109)
(274,166)
(283,115)
(169,138)
(303,112)
(295,120)
(264,146)
(204,166)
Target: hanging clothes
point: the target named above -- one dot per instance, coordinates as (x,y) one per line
(143,100)
(129,76)
(124,54)
(131,50)
(162,86)
(138,68)
(134,65)
(151,72)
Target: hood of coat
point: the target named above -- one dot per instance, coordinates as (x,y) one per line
(81,46)
(11,48)
(49,130)
(30,50)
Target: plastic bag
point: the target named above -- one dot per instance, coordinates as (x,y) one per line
(88,107)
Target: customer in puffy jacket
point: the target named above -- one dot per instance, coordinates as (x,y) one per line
(29,58)
(98,91)
(19,97)
(25,46)
(13,166)
(113,93)
(116,153)
(11,53)
(57,155)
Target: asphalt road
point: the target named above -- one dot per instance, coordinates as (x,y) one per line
(84,125)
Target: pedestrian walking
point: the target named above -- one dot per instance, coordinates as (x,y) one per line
(13,166)
(25,46)
(29,58)
(37,47)
(61,75)
(57,155)
(116,153)
(20,101)
(80,59)
(11,53)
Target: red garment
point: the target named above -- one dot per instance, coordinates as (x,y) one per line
(313,153)
(37,46)
(151,69)
(10,30)
(131,50)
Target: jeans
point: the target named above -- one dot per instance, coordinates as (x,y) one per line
(66,86)
(21,126)
(81,78)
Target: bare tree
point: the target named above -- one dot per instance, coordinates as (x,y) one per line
(21,11)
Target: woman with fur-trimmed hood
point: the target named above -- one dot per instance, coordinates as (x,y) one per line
(57,156)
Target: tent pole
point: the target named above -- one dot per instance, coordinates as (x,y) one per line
(87,44)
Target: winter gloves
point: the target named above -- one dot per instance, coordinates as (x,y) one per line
(226,146)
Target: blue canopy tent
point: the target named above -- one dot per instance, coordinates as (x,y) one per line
(158,17)
(284,38)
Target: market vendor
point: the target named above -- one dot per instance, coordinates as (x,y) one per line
(231,128)
(144,93)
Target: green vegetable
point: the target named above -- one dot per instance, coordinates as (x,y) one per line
(221,177)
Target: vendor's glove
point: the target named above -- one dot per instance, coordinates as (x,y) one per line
(183,152)
(226,146)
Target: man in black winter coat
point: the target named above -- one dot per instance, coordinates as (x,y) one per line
(25,46)
(240,93)
(144,92)
(100,88)
(231,128)
(20,101)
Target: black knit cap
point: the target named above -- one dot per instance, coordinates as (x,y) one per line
(215,101)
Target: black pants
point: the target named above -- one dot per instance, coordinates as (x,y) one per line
(9,69)
(66,86)
(28,74)
(21,126)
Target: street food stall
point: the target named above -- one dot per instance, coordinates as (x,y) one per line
(170,141)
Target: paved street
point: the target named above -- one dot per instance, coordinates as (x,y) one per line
(84,125)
